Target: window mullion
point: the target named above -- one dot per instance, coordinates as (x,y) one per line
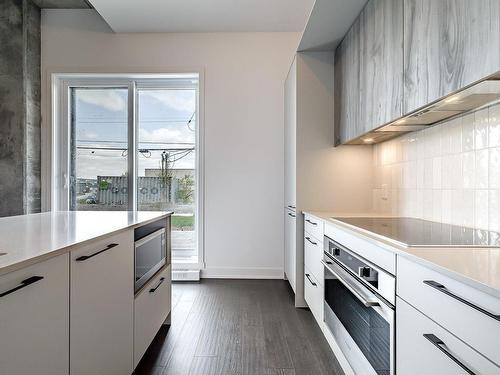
(132,147)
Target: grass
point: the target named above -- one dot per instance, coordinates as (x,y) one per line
(182,221)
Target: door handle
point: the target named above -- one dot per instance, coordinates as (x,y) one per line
(311,222)
(24,284)
(309,239)
(85,257)
(152,290)
(365,296)
(438,343)
(441,288)
(309,278)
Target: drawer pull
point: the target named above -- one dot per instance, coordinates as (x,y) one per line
(311,222)
(309,278)
(85,257)
(443,289)
(292,215)
(24,284)
(441,346)
(152,290)
(290,206)
(309,239)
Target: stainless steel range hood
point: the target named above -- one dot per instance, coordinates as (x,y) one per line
(481,94)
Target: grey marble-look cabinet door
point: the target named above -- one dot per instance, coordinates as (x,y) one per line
(381,63)
(347,86)
(448,44)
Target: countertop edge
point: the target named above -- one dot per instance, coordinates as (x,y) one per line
(24,263)
(389,245)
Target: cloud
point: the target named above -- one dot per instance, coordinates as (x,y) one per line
(180,100)
(107,99)
(85,134)
(165,135)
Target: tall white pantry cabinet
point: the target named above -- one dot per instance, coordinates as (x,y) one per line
(317,175)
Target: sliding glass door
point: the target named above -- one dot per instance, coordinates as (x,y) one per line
(166,161)
(98,144)
(129,144)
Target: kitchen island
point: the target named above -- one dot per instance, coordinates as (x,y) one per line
(68,299)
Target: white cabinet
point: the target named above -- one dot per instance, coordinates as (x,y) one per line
(312,164)
(313,294)
(459,308)
(314,227)
(151,307)
(34,319)
(423,347)
(313,254)
(291,247)
(102,307)
(291,136)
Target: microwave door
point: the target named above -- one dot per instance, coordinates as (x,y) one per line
(150,254)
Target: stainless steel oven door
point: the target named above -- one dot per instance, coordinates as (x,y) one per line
(361,322)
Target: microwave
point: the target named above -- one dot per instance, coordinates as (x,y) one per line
(150,255)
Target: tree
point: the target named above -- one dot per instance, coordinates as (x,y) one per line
(185,192)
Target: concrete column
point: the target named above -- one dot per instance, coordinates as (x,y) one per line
(19,107)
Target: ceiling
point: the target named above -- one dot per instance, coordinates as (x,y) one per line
(62,4)
(204,15)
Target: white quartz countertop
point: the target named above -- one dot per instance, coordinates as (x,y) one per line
(28,239)
(477,266)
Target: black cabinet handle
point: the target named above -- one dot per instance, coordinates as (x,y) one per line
(443,289)
(292,215)
(152,290)
(441,346)
(24,284)
(289,206)
(311,222)
(309,278)
(309,239)
(85,257)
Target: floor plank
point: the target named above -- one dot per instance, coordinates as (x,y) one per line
(238,327)
(203,366)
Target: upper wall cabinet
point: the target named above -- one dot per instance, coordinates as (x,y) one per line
(381,63)
(347,86)
(369,71)
(448,44)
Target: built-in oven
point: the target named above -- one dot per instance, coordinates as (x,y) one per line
(150,252)
(359,309)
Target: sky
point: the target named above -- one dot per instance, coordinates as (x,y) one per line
(101,122)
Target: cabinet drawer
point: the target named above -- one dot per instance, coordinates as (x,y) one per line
(313,254)
(34,319)
(102,306)
(313,227)
(151,308)
(438,353)
(453,305)
(313,294)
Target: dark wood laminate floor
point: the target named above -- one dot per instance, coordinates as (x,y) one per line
(238,327)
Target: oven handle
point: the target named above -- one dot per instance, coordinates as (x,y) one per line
(361,293)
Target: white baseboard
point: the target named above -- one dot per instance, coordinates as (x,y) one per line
(242,273)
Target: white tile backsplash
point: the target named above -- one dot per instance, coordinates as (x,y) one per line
(448,173)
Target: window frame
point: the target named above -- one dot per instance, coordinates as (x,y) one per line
(56,159)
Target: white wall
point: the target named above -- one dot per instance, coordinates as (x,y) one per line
(244,75)
(449,173)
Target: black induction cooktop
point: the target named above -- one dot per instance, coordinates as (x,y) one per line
(422,233)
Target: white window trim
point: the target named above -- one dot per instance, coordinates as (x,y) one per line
(54,139)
